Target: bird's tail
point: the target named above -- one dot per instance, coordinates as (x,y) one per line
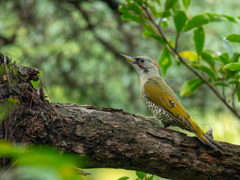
(205,138)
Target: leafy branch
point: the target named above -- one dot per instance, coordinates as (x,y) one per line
(211,69)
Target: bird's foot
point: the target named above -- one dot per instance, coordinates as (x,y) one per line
(149,118)
(146,117)
(209,132)
(208,135)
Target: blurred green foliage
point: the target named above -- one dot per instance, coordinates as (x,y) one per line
(213,69)
(77,49)
(233,38)
(76,45)
(38,163)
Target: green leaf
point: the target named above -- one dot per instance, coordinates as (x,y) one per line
(123,8)
(208,58)
(158,2)
(238,93)
(224,58)
(35,156)
(230,74)
(48,157)
(180,19)
(165,24)
(232,66)
(124,178)
(220,84)
(235,57)
(150,32)
(218,18)
(38,173)
(186,4)
(7,149)
(165,60)
(35,83)
(199,37)
(81,178)
(215,17)
(233,38)
(150,178)
(206,70)
(135,8)
(172,43)
(140,174)
(139,1)
(230,19)
(190,55)
(197,21)
(176,7)
(228,47)
(211,52)
(190,87)
(235,81)
(130,7)
(169,4)
(166,13)
(131,17)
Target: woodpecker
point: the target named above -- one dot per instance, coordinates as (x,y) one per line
(160,99)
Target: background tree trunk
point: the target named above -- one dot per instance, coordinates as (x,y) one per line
(109,138)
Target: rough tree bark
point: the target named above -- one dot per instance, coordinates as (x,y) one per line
(111,138)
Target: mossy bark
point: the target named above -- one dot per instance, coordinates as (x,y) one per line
(111,138)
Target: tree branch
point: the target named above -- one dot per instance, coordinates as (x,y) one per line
(112,138)
(233,97)
(115,139)
(91,26)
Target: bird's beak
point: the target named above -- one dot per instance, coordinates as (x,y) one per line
(130,59)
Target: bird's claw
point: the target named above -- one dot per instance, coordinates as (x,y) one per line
(146,117)
(149,118)
(209,132)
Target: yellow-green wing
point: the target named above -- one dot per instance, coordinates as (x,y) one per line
(162,95)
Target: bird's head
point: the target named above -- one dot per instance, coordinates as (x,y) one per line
(143,65)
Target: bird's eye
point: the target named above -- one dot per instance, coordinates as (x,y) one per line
(142,60)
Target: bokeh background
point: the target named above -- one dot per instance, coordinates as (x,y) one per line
(76,44)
